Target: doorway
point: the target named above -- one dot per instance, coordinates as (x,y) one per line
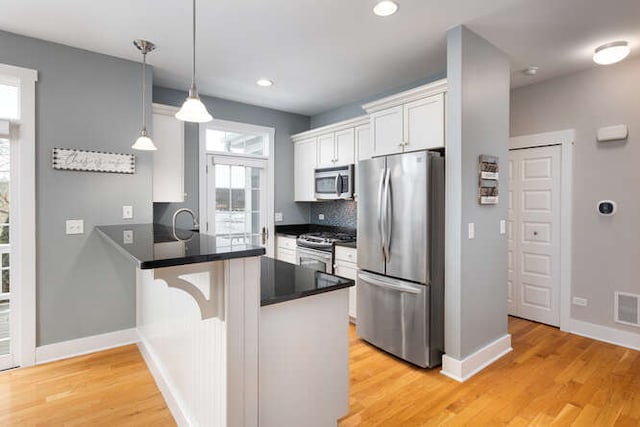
(236,183)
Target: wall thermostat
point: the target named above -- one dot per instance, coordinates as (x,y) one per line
(607,207)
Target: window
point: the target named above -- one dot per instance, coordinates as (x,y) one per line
(9,104)
(223,141)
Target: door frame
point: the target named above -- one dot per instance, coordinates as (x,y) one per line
(239,127)
(566,139)
(22,133)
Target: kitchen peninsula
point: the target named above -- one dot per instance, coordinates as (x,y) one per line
(221,329)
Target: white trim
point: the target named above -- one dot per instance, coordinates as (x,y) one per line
(202,170)
(566,138)
(165,388)
(462,370)
(433,88)
(334,127)
(85,345)
(23,201)
(603,333)
(167,110)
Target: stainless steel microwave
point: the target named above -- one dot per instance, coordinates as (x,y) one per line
(334,183)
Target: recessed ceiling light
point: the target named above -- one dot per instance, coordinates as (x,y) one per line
(530,71)
(385,8)
(264,82)
(611,53)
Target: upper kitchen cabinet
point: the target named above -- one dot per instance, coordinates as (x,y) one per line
(304,163)
(328,146)
(408,121)
(364,147)
(168,160)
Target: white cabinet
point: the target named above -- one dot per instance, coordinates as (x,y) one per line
(363,142)
(286,249)
(346,266)
(387,131)
(336,148)
(168,160)
(409,121)
(304,163)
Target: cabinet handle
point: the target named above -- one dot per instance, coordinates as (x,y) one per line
(405,142)
(401,144)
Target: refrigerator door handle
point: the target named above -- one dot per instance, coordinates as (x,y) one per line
(387,213)
(381,222)
(396,285)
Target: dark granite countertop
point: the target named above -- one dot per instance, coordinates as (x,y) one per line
(151,247)
(281,281)
(295,230)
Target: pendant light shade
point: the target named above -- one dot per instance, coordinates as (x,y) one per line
(193,110)
(144,142)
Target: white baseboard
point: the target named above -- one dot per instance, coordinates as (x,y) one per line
(604,333)
(80,346)
(165,388)
(462,370)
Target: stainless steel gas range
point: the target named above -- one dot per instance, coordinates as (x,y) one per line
(316,250)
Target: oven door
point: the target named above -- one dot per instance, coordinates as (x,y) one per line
(315,259)
(334,183)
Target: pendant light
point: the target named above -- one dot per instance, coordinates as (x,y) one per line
(144,142)
(193,110)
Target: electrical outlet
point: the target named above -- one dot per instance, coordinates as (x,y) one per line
(74,226)
(582,302)
(127,237)
(321,217)
(472,230)
(503,226)
(127,212)
(278,217)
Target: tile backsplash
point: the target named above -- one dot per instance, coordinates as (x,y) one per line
(339,213)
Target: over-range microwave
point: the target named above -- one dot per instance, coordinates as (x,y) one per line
(334,182)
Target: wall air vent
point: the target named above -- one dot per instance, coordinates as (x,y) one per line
(627,308)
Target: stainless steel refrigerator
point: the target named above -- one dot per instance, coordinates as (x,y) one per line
(400,285)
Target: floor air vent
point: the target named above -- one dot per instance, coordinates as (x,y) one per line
(627,309)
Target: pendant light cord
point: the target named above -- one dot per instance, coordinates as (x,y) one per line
(144,90)
(193,63)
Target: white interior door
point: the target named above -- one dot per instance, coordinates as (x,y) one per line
(237,200)
(534,233)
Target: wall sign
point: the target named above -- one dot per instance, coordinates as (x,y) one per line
(488,180)
(93,161)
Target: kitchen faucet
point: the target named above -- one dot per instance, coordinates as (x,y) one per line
(196,226)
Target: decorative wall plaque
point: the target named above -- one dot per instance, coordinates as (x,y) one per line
(488,180)
(93,161)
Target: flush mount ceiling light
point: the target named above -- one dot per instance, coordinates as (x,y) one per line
(144,142)
(385,8)
(611,53)
(530,71)
(193,110)
(264,82)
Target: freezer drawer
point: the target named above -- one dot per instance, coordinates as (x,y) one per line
(393,315)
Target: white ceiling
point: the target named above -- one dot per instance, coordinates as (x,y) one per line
(323,54)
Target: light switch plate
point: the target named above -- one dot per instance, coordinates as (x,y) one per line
(503,226)
(74,226)
(472,230)
(278,217)
(127,237)
(127,212)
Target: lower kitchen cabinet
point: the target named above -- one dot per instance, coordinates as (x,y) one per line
(346,266)
(286,249)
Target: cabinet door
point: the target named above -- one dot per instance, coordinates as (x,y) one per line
(387,131)
(304,163)
(424,123)
(326,152)
(350,271)
(363,142)
(286,255)
(168,161)
(345,147)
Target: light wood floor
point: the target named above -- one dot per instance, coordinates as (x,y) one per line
(551,378)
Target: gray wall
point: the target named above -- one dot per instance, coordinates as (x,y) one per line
(88,101)
(477,123)
(606,250)
(354,109)
(285,124)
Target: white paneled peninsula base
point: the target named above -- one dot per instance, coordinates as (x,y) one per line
(217,356)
